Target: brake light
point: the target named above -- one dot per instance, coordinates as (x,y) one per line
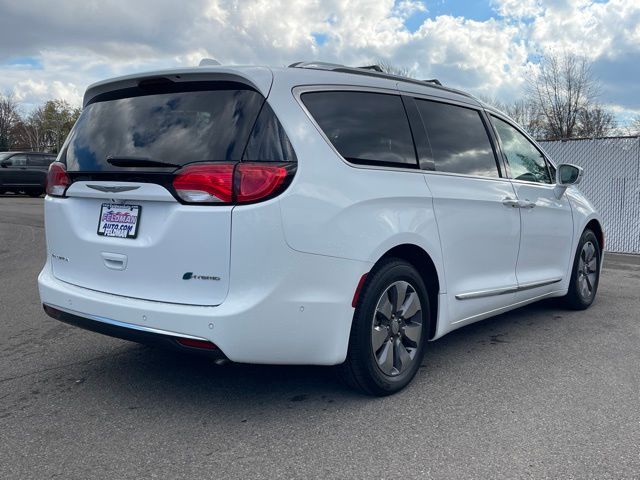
(57,180)
(229,183)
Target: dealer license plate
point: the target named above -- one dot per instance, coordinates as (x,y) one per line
(119,220)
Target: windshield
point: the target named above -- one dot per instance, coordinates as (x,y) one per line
(174,127)
(4,155)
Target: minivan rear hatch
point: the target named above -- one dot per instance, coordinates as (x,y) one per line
(120,229)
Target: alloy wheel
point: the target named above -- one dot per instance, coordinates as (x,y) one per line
(397,328)
(587,271)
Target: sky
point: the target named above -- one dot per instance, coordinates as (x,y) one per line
(487,47)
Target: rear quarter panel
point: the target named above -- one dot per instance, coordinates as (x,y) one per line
(335,209)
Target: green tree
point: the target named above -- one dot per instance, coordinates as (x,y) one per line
(47,126)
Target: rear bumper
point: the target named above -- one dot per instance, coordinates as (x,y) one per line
(133,333)
(297,318)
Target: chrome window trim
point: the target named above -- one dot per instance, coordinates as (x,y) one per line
(298,91)
(435,98)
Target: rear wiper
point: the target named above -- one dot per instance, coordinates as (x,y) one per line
(138,162)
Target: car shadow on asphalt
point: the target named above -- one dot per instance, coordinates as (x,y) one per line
(174,376)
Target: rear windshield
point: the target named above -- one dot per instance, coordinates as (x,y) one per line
(176,127)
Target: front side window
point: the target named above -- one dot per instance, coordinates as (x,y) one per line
(366,128)
(524,159)
(458,139)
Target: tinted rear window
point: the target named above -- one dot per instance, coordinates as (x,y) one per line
(366,128)
(177,127)
(459,139)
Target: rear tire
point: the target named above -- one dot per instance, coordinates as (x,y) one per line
(585,274)
(389,331)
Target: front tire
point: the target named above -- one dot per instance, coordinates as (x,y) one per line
(389,331)
(585,275)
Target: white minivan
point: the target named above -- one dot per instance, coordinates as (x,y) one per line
(315,214)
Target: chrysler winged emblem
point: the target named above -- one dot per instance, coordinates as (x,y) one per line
(115,189)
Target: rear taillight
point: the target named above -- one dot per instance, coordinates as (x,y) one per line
(232,183)
(57,180)
(205,183)
(255,181)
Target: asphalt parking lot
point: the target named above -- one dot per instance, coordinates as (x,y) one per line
(537,393)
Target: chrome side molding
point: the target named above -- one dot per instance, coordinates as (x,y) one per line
(503,290)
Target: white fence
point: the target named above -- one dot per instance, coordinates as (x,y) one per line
(611,182)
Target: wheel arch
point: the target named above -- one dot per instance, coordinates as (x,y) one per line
(422,261)
(595,226)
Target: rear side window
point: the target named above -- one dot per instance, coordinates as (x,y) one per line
(268,141)
(365,128)
(459,139)
(178,127)
(40,160)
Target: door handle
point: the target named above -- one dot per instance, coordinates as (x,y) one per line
(510,202)
(526,204)
(114,261)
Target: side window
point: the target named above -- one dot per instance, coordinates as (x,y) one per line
(19,161)
(366,128)
(37,161)
(459,139)
(524,159)
(268,141)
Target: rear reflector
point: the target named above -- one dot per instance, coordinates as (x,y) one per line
(193,343)
(356,295)
(57,180)
(231,183)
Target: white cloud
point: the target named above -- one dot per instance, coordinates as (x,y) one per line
(79,42)
(588,28)
(518,8)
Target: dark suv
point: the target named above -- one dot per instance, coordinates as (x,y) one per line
(24,172)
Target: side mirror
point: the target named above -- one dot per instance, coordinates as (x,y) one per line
(567,175)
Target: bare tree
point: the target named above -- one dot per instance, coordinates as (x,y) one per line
(388,67)
(9,118)
(634,127)
(523,111)
(594,121)
(562,90)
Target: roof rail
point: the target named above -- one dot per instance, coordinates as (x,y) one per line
(375,71)
(375,68)
(208,62)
